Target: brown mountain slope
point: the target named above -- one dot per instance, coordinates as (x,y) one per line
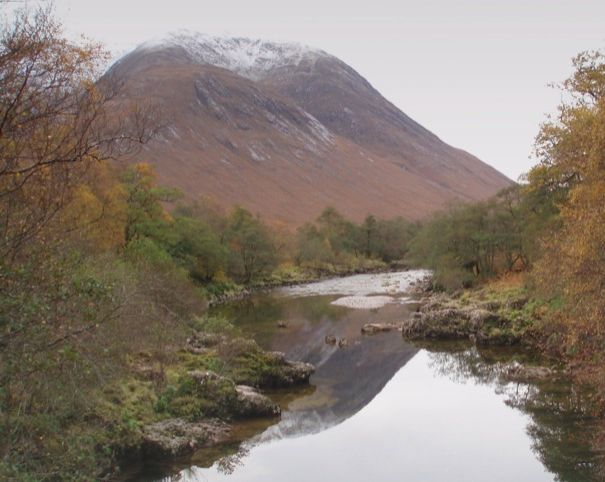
(286,131)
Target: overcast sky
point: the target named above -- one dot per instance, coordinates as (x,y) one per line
(476,73)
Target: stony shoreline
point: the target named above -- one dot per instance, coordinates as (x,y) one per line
(246,291)
(480,320)
(199,406)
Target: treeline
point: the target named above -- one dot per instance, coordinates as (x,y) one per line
(470,243)
(217,248)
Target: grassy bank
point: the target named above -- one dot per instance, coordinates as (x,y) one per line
(196,385)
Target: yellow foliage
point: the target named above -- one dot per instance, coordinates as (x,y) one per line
(572,151)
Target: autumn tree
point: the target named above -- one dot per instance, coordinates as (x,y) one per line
(571,149)
(61,308)
(56,123)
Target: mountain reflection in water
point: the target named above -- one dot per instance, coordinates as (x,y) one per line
(347,378)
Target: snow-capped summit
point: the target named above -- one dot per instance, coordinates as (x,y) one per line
(286,130)
(251,58)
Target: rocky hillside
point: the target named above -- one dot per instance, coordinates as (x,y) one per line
(286,130)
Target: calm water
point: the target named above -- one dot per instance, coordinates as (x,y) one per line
(380,409)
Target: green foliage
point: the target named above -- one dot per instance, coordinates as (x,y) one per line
(214,324)
(252,252)
(192,399)
(473,242)
(144,211)
(199,248)
(333,244)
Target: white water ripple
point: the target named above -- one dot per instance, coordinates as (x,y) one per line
(362,285)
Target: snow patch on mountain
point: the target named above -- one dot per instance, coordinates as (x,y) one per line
(251,58)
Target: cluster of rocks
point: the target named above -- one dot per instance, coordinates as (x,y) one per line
(230,296)
(442,318)
(251,403)
(201,342)
(421,286)
(177,436)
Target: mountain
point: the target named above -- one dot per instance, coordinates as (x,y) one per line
(286,130)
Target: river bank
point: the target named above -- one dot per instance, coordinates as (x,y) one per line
(523,415)
(203,417)
(503,315)
(191,401)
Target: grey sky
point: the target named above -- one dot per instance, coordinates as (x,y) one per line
(473,72)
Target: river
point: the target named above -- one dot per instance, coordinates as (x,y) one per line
(380,409)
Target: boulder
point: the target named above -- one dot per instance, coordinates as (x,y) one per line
(286,373)
(372,328)
(414,328)
(178,436)
(343,342)
(282,324)
(251,403)
(445,324)
(480,317)
(330,340)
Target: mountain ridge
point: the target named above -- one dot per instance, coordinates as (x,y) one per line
(286,130)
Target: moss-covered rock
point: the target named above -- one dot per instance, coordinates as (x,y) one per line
(251,403)
(271,370)
(178,436)
(472,315)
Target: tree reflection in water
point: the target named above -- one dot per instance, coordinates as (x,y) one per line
(565,426)
(229,463)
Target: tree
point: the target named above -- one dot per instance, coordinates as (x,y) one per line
(369,233)
(198,248)
(312,248)
(571,149)
(56,122)
(60,332)
(252,250)
(341,234)
(392,238)
(143,199)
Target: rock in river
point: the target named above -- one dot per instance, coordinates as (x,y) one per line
(251,403)
(178,436)
(372,328)
(285,373)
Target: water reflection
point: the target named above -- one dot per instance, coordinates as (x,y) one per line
(379,409)
(348,378)
(445,416)
(563,417)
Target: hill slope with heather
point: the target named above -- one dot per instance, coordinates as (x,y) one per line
(286,130)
